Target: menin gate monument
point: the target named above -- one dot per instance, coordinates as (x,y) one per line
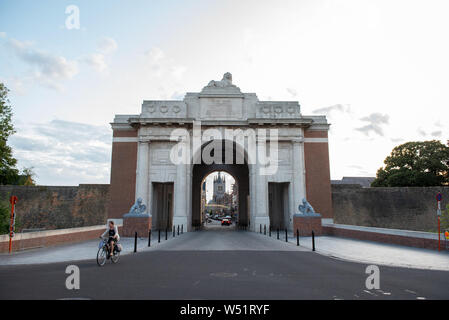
(277,156)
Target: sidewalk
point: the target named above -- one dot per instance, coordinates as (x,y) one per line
(377,253)
(79,251)
(341,248)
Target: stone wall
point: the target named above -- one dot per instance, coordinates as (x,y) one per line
(412,208)
(52,207)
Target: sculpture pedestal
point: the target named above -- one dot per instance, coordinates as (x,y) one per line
(136,222)
(306,223)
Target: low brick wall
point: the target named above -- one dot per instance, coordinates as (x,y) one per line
(306,224)
(29,240)
(416,239)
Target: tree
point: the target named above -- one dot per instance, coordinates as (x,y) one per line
(415,164)
(8,170)
(445,219)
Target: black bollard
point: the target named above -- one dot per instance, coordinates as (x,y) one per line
(182,228)
(264,229)
(159,236)
(149,238)
(269,231)
(297,237)
(178,229)
(135,242)
(313,241)
(174,231)
(260,228)
(166,233)
(278,233)
(286,236)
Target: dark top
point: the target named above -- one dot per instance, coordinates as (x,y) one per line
(111,233)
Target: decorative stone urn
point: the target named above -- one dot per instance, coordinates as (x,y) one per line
(137,220)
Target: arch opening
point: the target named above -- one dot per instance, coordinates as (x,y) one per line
(240,174)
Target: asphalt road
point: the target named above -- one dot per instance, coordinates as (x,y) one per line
(221,265)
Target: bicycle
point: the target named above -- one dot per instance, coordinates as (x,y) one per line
(103,252)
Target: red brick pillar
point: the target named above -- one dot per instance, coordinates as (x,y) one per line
(136,222)
(306,223)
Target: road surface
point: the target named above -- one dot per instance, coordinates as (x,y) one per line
(221,264)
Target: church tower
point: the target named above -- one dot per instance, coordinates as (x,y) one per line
(219,188)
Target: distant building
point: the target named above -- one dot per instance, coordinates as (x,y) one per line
(219,189)
(365,182)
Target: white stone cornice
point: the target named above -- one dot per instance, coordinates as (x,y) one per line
(316,140)
(125,139)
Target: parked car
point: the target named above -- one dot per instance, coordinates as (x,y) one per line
(225,222)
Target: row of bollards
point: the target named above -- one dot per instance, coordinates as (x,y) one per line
(286,234)
(175,230)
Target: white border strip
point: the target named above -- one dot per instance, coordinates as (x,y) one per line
(125,139)
(316,140)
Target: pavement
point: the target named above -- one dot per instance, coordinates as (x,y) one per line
(377,253)
(340,248)
(219,263)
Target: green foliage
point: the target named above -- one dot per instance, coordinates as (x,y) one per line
(8,170)
(9,174)
(4,217)
(444,220)
(415,164)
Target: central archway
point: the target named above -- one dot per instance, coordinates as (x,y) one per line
(240,172)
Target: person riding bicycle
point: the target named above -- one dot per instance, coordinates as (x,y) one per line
(113,236)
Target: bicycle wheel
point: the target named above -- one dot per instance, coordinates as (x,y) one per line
(115,257)
(102,255)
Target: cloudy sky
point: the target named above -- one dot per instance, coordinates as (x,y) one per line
(378,69)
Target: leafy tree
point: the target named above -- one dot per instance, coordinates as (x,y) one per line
(445,219)
(415,164)
(8,170)
(9,174)
(5,216)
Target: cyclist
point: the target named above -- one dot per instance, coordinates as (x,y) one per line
(112,232)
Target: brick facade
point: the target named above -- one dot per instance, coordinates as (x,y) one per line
(133,224)
(306,224)
(123,174)
(318,186)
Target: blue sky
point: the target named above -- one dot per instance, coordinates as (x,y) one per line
(377,69)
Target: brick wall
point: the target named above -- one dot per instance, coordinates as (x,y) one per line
(23,241)
(411,208)
(51,207)
(390,236)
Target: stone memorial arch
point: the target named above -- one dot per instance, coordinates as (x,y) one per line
(277,155)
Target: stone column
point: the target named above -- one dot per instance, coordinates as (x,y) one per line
(180,214)
(142,174)
(261,192)
(299,182)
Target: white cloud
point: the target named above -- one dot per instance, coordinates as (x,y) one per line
(2,34)
(64,152)
(95,60)
(47,69)
(107,45)
(375,121)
